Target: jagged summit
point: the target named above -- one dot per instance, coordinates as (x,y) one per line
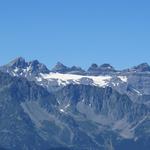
(93,66)
(107,66)
(19,66)
(59,67)
(143,67)
(36,66)
(94,69)
(18,62)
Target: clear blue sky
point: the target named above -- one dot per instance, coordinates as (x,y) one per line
(76,32)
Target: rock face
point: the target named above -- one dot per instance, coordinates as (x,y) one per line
(16,127)
(100,110)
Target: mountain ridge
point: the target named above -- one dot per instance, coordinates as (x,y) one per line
(61,68)
(67,110)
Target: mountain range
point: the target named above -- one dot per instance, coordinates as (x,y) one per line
(74,109)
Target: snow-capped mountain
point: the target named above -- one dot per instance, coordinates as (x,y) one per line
(69,108)
(134,82)
(19,67)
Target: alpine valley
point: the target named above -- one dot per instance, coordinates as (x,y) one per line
(68,108)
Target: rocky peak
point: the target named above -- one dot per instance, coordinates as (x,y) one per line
(20,67)
(142,67)
(93,66)
(35,63)
(94,69)
(18,62)
(61,68)
(106,66)
(37,67)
